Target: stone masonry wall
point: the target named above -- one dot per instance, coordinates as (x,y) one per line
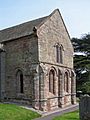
(35,56)
(20,55)
(51,32)
(60,98)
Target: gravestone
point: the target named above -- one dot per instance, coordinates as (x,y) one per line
(84,108)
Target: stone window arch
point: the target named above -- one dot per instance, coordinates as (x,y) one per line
(20,84)
(52,81)
(59,53)
(66,82)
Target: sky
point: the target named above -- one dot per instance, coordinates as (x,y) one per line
(76,13)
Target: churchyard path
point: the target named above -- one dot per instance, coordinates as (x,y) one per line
(58,112)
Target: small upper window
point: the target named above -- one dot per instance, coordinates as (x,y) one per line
(59,53)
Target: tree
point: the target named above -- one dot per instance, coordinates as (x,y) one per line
(82,60)
(86,87)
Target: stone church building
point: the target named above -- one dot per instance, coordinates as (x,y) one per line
(36,63)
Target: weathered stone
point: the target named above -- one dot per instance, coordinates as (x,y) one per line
(84,108)
(30,58)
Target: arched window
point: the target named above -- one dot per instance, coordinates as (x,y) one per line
(59,56)
(20,85)
(52,81)
(66,87)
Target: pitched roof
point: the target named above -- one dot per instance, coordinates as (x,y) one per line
(20,30)
(25,29)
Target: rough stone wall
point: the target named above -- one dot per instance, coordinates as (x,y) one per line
(51,32)
(61,98)
(20,55)
(35,56)
(2,74)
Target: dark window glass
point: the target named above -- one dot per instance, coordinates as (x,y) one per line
(59,55)
(21,83)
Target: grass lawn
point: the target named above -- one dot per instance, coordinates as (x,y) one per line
(68,116)
(14,112)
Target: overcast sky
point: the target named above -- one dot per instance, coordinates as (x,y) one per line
(76,13)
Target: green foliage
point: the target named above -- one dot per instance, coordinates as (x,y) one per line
(83,44)
(14,112)
(86,87)
(82,62)
(68,116)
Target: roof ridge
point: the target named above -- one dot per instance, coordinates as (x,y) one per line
(23,23)
(20,30)
(26,28)
(17,25)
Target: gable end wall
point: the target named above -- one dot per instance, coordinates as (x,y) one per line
(51,32)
